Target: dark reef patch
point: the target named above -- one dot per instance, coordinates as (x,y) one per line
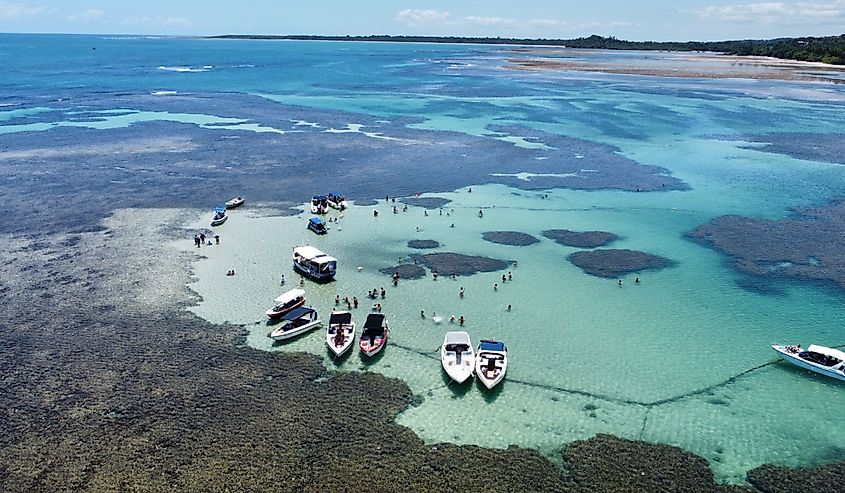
(423,244)
(775,479)
(614,263)
(161,164)
(365,202)
(512,238)
(827,148)
(406,271)
(425,202)
(447,264)
(580,239)
(759,285)
(809,246)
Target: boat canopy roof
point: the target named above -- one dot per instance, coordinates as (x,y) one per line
(374,321)
(219,209)
(313,254)
(833,353)
(290,296)
(491,346)
(457,338)
(318,197)
(316,220)
(298,312)
(344,318)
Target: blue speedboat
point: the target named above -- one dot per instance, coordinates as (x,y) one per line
(317,225)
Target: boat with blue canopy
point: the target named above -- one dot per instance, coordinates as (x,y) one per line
(491,362)
(219,216)
(317,225)
(336,201)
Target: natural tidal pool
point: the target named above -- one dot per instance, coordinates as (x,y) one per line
(682,357)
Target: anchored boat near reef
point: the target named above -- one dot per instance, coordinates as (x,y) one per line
(317,225)
(313,263)
(219,216)
(491,362)
(319,204)
(375,333)
(235,202)
(296,322)
(824,360)
(336,201)
(286,303)
(340,333)
(457,356)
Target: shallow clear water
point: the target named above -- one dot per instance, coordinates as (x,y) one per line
(655,361)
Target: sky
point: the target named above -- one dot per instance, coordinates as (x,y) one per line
(660,20)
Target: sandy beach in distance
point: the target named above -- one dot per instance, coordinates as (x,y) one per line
(691,65)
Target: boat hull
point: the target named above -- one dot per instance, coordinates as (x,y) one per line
(218,222)
(793,358)
(280,336)
(340,350)
(281,313)
(234,203)
(316,275)
(459,374)
(372,350)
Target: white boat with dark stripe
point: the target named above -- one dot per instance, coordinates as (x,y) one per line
(824,360)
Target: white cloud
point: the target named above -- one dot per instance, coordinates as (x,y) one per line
(415,17)
(13,10)
(771,12)
(160,22)
(89,15)
(487,21)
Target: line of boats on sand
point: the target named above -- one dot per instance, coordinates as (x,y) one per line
(489,362)
(457,356)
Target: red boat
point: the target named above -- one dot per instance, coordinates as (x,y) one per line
(374,336)
(286,303)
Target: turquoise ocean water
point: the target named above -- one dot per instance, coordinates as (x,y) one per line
(666,360)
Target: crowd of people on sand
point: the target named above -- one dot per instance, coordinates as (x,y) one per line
(200,240)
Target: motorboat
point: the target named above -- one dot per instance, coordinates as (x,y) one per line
(340,333)
(317,225)
(295,322)
(824,360)
(457,356)
(336,201)
(235,202)
(319,204)
(491,362)
(313,263)
(286,303)
(375,333)
(219,216)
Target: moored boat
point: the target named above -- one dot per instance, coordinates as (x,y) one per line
(286,303)
(340,333)
(317,225)
(313,263)
(457,356)
(820,359)
(295,322)
(336,201)
(491,362)
(235,202)
(219,217)
(375,333)
(319,204)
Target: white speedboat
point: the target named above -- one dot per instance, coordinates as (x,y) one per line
(235,202)
(340,334)
(824,360)
(219,217)
(457,356)
(375,333)
(296,322)
(336,201)
(491,362)
(319,204)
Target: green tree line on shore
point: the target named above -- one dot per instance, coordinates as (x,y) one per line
(829,49)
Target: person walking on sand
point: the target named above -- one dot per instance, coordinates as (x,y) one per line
(282,281)
(510,276)
(509,308)
(461,321)
(495,286)
(461,293)
(202,238)
(355,301)
(197,240)
(217,239)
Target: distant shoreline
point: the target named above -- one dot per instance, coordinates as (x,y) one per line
(829,50)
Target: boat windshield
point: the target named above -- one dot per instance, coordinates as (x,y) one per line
(457,348)
(818,358)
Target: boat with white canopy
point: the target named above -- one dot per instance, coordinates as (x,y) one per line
(286,303)
(820,359)
(313,263)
